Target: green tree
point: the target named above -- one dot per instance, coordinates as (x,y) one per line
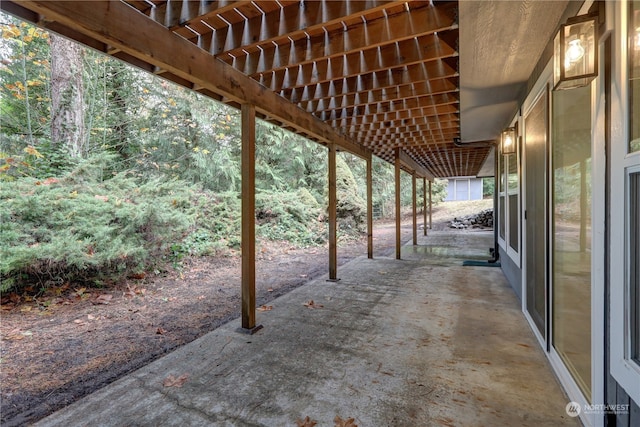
(24,84)
(67,96)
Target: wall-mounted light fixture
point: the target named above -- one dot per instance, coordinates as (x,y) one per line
(509,141)
(576,53)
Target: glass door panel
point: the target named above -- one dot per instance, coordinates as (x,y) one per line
(571,226)
(535,145)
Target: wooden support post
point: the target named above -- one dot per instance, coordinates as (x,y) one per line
(398,210)
(333,201)
(369,207)
(414,202)
(424,204)
(430,209)
(248,159)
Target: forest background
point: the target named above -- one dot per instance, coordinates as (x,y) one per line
(107,171)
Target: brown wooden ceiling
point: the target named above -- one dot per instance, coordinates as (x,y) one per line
(382,73)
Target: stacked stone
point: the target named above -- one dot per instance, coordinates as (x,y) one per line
(483,219)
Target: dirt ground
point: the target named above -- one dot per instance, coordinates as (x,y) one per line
(71,341)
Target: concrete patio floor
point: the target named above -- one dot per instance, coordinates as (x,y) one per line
(421,341)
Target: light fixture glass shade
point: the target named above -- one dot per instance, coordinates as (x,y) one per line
(576,53)
(509,141)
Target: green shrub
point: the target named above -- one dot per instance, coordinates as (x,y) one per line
(78,228)
(217,224)
(289,215)
(351,209)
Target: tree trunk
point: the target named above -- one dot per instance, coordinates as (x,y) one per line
(67,103)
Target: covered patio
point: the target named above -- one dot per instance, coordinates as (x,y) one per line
(414,342)
(427,86)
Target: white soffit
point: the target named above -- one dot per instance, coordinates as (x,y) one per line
(500,45)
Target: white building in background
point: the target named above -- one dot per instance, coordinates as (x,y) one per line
(464,188)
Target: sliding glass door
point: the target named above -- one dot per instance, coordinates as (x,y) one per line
(535,145)
(571,231)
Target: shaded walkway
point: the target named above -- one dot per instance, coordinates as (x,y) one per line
(417,342)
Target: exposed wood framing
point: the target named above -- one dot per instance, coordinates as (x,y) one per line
(369,180)
(430,209)
(333,201)
(414,206)
(424,205)
(397,166)
(248,237)
(413,166)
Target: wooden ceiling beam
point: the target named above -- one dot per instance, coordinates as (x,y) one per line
(410,141)
(408,128)
(437,87)
(439,79)
(178,13)
(410,131)
(345,122)
(296,20)
(369,81)
(422,49)
(112,23)
(401,104)
(414,166)
(430,122)
(429,106)
(364,36)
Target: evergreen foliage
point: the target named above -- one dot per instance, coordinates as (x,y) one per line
(84,229)
(159,177)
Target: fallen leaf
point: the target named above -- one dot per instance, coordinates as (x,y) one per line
(91,317)
(311,304)
(349,422)
(307,422)
(172,381)
(79,322)
(133,291)
(265,308)
(14,335)
(161,331)
(103,299)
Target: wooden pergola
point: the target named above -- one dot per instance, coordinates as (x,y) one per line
(366,77)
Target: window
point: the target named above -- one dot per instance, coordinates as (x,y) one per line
(634,76)
(634,265)
(501,198)
(624,281)
(509,202)
(514,212)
